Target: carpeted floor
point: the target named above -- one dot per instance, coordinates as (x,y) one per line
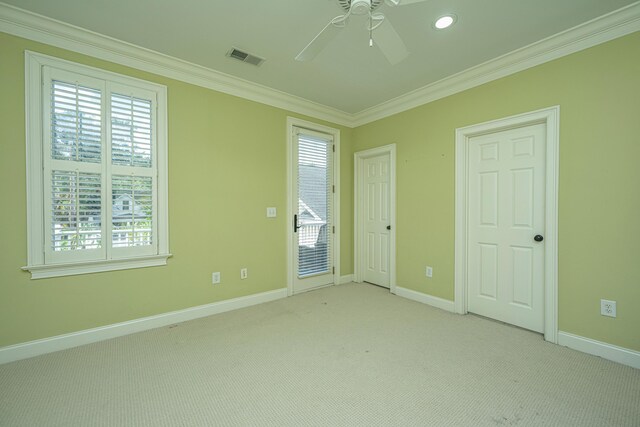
(347,355)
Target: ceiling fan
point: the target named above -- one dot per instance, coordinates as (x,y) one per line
(386,37)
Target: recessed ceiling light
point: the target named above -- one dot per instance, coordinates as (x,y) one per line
(445,21)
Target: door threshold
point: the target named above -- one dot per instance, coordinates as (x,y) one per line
(505,323)
(376,285)
(315,288)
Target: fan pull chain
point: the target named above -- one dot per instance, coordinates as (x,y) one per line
(370,31)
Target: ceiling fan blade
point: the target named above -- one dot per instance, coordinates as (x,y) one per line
(390,43)
(323,38)
(403,2)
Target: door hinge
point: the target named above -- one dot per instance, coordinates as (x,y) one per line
(334,229)
(333,188)
(333,270)
(333,147)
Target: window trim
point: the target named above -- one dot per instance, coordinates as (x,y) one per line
(34,66)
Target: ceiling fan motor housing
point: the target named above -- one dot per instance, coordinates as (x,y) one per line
(360,7)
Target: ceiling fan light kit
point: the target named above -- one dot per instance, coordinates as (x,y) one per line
(387,38)
(364,5)
(360,7)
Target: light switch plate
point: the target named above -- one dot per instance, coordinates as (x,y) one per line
(215,278)
(271,212)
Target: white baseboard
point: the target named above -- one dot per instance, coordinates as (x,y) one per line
(597,348)
(74,339)
(425,299)
(346,279)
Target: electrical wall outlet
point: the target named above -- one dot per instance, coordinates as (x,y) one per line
(608,308)
(271,212)
(244,273)
(215,278)
(429,271)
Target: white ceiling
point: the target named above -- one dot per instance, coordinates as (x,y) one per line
(348,75)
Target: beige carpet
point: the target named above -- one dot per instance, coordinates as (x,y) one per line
(348,355)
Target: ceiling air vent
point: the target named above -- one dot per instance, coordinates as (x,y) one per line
(245,57)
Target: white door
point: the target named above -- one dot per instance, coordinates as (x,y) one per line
(377,220)
(313,219)
(506,194)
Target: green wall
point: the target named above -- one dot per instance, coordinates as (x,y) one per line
(598,91)
(227,163)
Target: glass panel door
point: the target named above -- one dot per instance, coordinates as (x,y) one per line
(313,219)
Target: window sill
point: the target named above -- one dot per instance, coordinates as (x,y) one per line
(58,270)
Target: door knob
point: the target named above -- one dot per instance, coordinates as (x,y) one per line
(388,227)
(538,238)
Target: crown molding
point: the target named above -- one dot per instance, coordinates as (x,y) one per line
(29,25)
(600,30)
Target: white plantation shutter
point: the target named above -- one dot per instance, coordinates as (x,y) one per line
(73,170)
(76,123)
(132,186)
(98,171)
(314,204)
(76,211)
(132,212)
(130,131)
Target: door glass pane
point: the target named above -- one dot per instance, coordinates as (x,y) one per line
(314,205)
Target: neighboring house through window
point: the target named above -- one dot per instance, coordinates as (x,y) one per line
(96,169)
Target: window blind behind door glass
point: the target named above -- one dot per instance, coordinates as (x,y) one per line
(314,205)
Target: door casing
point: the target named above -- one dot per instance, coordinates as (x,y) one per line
(551,118)
(358,221)
(335,133)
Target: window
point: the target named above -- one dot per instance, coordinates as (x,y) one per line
(96,170)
